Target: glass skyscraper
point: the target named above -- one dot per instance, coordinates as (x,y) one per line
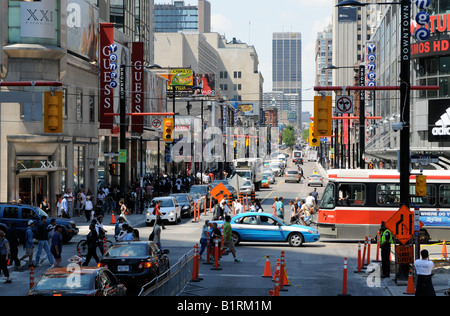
(287,68)
(177,17)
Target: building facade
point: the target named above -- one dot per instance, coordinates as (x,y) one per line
(59,43)
(287,68)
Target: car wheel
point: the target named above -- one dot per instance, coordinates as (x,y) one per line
(296,240)
(236,238)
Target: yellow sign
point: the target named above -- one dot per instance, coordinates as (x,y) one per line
(179,77)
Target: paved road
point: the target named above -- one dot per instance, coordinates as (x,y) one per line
(313,270)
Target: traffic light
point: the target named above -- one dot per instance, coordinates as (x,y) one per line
(53,122)
(313,141)
(323,116)
(421,186)
(112,169)
(168,130)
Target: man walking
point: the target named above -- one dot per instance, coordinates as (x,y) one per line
(42,236)
(228,238)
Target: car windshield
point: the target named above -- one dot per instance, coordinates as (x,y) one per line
(182,198)
(274,165)
(198,190)
(292,172)
(243,174)
(164,203)
(64,282)
(128,250)
(247,184)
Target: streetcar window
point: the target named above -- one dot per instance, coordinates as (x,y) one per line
(444,195)
(351,194)
(388,194)
(328,198)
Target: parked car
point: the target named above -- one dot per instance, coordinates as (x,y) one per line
(136,263)
(169,208)
(291,175)
(265,227)
(315,179)
(21,214)
(85,281)
(186,203)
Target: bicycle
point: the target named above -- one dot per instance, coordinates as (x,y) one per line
(82,246)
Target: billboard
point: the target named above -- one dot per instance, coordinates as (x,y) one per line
(137,89)
(106,104)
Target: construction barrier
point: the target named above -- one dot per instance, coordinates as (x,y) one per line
(216,255)
(113,218)
(410,289)
(31,277)
(253,196)
(344,282)
(359,258)
(276,290)
(195,268)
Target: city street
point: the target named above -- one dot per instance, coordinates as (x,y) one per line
(313,270)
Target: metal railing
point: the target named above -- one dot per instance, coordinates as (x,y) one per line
(174,281)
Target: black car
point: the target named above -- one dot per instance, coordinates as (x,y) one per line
(85,281)
(21,214)
(136,263)
(186,203)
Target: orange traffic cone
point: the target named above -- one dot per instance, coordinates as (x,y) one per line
(444,250)
(267,270)
(277,270)
(410,289)
(113,218)
(285,279)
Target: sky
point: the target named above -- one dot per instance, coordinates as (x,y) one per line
(254,21)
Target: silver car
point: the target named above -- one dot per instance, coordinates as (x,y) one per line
(315,179)
(291,175)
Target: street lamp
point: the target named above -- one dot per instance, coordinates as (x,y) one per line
(405,90)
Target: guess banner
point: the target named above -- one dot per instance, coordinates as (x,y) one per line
(106,104)
(138,87)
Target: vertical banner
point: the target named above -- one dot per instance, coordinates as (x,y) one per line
(138,87)
(106,104)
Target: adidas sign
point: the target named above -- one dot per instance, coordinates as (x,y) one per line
(442,125)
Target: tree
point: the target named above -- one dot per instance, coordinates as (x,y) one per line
(289,136)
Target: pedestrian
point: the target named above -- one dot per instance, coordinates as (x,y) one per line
(156,234)
(129,235)
(214,234)
(88,209)
(29,245)
(69,200)
(228,238)
(386,239)
(4,256)
(424,268)
(92,240)
(118,227)
(65,207)
(158,214)
(274,208)
(45,206)
(58,205)
(204,239)
(217,211)
(238,208)
(56,247)
(279,206)
(13,238)
(101,232)
(42,232)
(315,195)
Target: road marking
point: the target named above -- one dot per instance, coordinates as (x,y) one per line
(271,192)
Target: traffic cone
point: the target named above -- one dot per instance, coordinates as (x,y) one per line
(113,218)
(444,250)
(267,270)
(277,269)
(410,289)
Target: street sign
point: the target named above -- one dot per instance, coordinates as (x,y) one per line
(156,123)
(344,104)
(122,156)
(219,191)
(404,254)
(401,225)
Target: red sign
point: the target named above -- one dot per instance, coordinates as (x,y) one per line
(402,224)
(106,92)
(138,87)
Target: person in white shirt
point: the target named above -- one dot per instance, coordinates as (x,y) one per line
(238,208)
(88,209)
(424,268)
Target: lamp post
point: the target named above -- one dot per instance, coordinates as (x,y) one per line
(405,91)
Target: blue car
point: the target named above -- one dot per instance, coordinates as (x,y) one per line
(267,227)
